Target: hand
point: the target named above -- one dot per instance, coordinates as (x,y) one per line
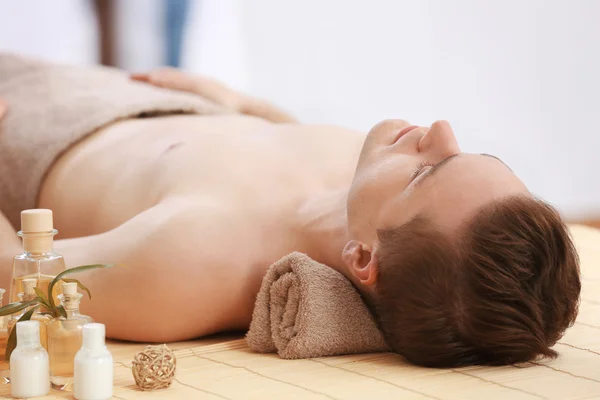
(169,78)
(214,91)
(174,79)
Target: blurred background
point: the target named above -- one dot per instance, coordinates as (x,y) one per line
(516,78)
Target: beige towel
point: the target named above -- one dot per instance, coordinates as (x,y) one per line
(53,106)
(305,309)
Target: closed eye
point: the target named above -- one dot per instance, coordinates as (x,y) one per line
(433,169)
(420,168)
(436,167)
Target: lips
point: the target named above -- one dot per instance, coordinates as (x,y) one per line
(405,131)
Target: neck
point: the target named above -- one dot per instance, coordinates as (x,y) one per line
(322,227)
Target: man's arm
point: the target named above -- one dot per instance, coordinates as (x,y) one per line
(175,277)
(215,91)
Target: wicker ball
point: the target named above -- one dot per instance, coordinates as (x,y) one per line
(154,367)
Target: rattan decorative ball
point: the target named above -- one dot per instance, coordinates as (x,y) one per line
(154,367)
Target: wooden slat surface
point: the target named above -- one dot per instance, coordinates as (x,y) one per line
(223,367)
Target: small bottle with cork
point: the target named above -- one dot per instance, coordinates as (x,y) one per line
(65,337)
(38,260)
(4,333)
(3,328)
(29,294)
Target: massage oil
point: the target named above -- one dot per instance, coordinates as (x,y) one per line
(3,328)
(29,294)
(43,281)
(65,338)
(4,374)
(38,260)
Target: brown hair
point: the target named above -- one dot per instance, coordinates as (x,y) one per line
(502,291)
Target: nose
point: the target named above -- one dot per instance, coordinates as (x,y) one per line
(439,141)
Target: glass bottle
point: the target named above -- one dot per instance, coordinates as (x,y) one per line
(38,259)
(3,328)
(64,338)
(29,294)
(4,377)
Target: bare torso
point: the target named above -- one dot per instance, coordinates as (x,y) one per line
(237,163)
(221,194)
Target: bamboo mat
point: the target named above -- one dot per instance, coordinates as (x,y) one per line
(223,367)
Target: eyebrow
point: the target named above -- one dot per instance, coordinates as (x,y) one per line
(439,165)
(489,155)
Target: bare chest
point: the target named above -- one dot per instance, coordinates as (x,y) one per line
(243,163)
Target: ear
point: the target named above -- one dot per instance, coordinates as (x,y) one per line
(361,262)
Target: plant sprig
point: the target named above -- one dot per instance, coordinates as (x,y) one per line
(45,300)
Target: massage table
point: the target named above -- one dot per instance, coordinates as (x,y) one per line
(222,367)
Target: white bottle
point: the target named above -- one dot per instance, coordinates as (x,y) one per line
(29,367)
(93,375)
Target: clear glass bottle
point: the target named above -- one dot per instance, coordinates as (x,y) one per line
(4,332)
(64,338)
(29,294)
(38,259)
(3,328)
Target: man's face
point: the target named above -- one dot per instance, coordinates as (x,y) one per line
(405,170)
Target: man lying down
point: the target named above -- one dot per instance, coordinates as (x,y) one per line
(199,189)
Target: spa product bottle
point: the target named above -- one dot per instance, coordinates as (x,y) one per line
(29,375)
(38,259)
(64,338)
(93,378)
(29,294)
(4,332)
(3,328)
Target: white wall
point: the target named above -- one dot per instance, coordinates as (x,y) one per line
(57,30)
(518,79)
(216,42)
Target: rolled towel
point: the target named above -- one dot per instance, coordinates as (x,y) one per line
(305,309)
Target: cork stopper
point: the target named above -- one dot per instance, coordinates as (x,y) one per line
(37,230)
(70,297)
(36,221)
(69,288)
(29,286)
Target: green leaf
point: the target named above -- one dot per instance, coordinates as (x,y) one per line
(12,339)
(42,297)
(80,285)
(71,271)
(61,311)
(40,294)
(45,308)
(13,308)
